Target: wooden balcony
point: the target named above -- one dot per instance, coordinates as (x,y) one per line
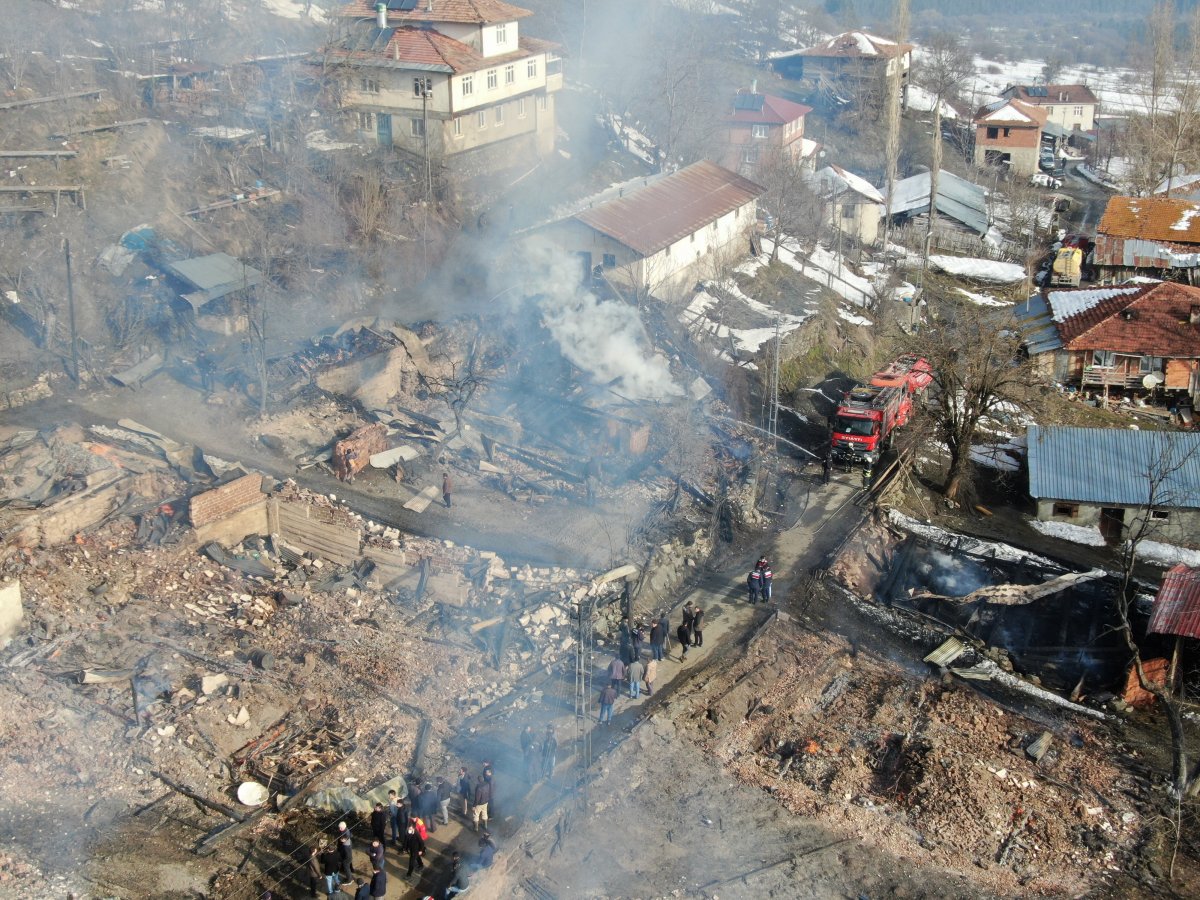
(1094,376)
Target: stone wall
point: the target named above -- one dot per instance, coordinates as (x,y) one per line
(224,501)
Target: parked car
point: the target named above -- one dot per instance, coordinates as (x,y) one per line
(1041,179)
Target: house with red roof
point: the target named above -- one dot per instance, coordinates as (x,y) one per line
(1131,337)
(1070,106)
(850,57)
(660,234)
(452,82)
(1157,236)
(760,128)
(1008,134)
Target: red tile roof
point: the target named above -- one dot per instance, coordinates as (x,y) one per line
(471,12)
(1177,606)
(424,48)
(671,208)
(1154,321)
(1152,219)
(1044,95)
(775,111)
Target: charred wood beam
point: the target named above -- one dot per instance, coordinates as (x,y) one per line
(212,805)
(540,462)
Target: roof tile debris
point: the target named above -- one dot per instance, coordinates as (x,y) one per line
(1153,219)
(671,208)
(1177,606)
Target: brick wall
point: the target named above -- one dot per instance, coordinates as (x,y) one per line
(211,506)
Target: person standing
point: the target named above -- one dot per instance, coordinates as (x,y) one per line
(616,672)
(446,488)
(664,622)
(656,639)
(416,851)
(313,869)
(651,675)
(429,806)
(754,584)
(827,467)
(689,613)
(638,638)
(767,579)
(684,634)
(350,458)
(345,852)
(375,854)
(379,823)
(483,796)
(331,864)
(443,792)
(378,882)
(465,790)
(635,672)
(529,751)
(394,815)
(549,753)
(608,697)
(697,626)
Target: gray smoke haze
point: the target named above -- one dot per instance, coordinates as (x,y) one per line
(604,338)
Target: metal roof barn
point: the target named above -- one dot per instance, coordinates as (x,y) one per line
(1114,466)
(214,276)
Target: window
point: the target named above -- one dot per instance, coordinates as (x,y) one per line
(458,127)
(847,210)
(492,80)
(422,87)
(468,85)
(521,108)
(369,85)
(416,127)
(610,261)
(1104,359)
(1067,510)
(553,64)
(543,102)
(993,133)
(510,74)
(481,119)
(531,68)
(502,33)
(366,121)
(1159,515)
(499,115)
(1148,364)
(1079,110)
(750,155)
(1007,132)
(759,131)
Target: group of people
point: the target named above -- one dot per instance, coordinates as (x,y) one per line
(540,754)
(412,816)
(759,582)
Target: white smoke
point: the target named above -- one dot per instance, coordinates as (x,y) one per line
(604,338)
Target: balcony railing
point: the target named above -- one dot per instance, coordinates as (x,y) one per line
(1112,378)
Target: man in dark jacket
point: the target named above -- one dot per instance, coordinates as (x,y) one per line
(375,853)
(684,634)
(697,626)
(363,892)
(378,882)
(442,790)
(664,622)
(429,806)
(459,879)
(345,852)
(331,865)
(465,790)
(483,796)
(656,639)
(487,850)
(549,753)
(313,870)
(608,697)
(379,823)
(416,851)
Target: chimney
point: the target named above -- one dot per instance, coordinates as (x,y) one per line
(381,15)
(1194,315)
(754,86)
(396,52)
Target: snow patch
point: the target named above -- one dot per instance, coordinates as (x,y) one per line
(981,269)
(1185,220)
(982,299)
(1168,554)
(1076,534)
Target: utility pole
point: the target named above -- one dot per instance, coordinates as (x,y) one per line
(584,631)
(71,313)
(773,420)
(892,119)
(426,87)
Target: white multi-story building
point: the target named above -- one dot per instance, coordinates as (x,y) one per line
(449,80)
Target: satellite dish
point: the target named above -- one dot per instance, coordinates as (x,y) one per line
(1153,380)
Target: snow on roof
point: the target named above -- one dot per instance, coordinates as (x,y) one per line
(1007,113)
(1064,304)
(865,47)
(958,198)
(1185,219)
(837,180)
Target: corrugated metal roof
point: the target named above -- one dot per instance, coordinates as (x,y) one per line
(1038,331)
(957,198)
(1114,466)
(667,210)
(1177,606)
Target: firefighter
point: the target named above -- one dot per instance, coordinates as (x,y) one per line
(754,584)
(866,477)
(765,576)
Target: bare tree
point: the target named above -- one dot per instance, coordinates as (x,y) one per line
(977,371)
(795,208)
(1164,490)
(892,120)
(458,387)
(947,65)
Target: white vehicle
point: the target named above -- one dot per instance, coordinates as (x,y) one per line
(1041,179)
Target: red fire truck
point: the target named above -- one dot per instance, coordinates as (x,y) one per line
(867,416)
